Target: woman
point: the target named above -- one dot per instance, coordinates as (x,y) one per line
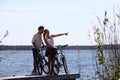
(51,49)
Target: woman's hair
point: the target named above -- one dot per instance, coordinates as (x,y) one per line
(46,30)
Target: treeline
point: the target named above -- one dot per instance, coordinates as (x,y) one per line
(7,47)
(29,47)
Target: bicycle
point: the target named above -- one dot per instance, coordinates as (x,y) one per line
(58,62)
(42,63)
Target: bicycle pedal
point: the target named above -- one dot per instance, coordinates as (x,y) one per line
(46,63)
(59,65)
(42,65)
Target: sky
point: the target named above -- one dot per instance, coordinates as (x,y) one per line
(23,17)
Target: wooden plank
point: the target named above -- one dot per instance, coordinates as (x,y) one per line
(44,77)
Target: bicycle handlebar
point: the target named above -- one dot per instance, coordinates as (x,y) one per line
(64,45)
(61,46)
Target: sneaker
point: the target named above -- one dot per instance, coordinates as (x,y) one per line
(34,73)
(50,73)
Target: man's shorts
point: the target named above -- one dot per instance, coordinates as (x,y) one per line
(35,53)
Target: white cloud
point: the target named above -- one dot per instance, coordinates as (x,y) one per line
(42,8)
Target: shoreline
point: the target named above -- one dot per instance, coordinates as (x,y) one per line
(29,47)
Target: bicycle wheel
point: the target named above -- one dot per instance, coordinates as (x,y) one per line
(39,68)
(55,66)
(45,65)
(65,65)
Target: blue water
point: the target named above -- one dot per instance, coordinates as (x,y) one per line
(13,62)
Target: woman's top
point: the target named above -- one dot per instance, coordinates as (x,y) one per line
(50,41)
(50,50)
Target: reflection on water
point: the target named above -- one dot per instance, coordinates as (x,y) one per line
(21,62)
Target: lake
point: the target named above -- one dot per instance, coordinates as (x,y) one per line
(20,62)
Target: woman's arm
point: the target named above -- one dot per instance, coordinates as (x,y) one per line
(57,35)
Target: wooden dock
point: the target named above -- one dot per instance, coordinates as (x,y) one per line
(43,77)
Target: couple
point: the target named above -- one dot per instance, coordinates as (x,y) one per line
(49,42)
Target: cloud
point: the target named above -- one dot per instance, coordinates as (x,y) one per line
(42,8)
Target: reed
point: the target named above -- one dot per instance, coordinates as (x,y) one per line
(107,63)
(4,36)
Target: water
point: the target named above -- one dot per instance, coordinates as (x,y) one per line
(21,62)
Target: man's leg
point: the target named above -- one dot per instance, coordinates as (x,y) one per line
(34,60)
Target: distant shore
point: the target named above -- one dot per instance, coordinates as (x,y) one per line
(29,47)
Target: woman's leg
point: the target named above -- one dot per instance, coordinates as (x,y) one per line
(49,64)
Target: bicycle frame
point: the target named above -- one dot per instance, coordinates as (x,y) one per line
(61,54)
(42,62)
(60,61)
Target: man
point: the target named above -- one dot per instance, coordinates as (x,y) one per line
(36,43)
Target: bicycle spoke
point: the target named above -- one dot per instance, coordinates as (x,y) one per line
(65,65)
(39,70)
(56,66)
(45,66)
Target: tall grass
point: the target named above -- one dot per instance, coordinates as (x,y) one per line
(4,36)
(107,33)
